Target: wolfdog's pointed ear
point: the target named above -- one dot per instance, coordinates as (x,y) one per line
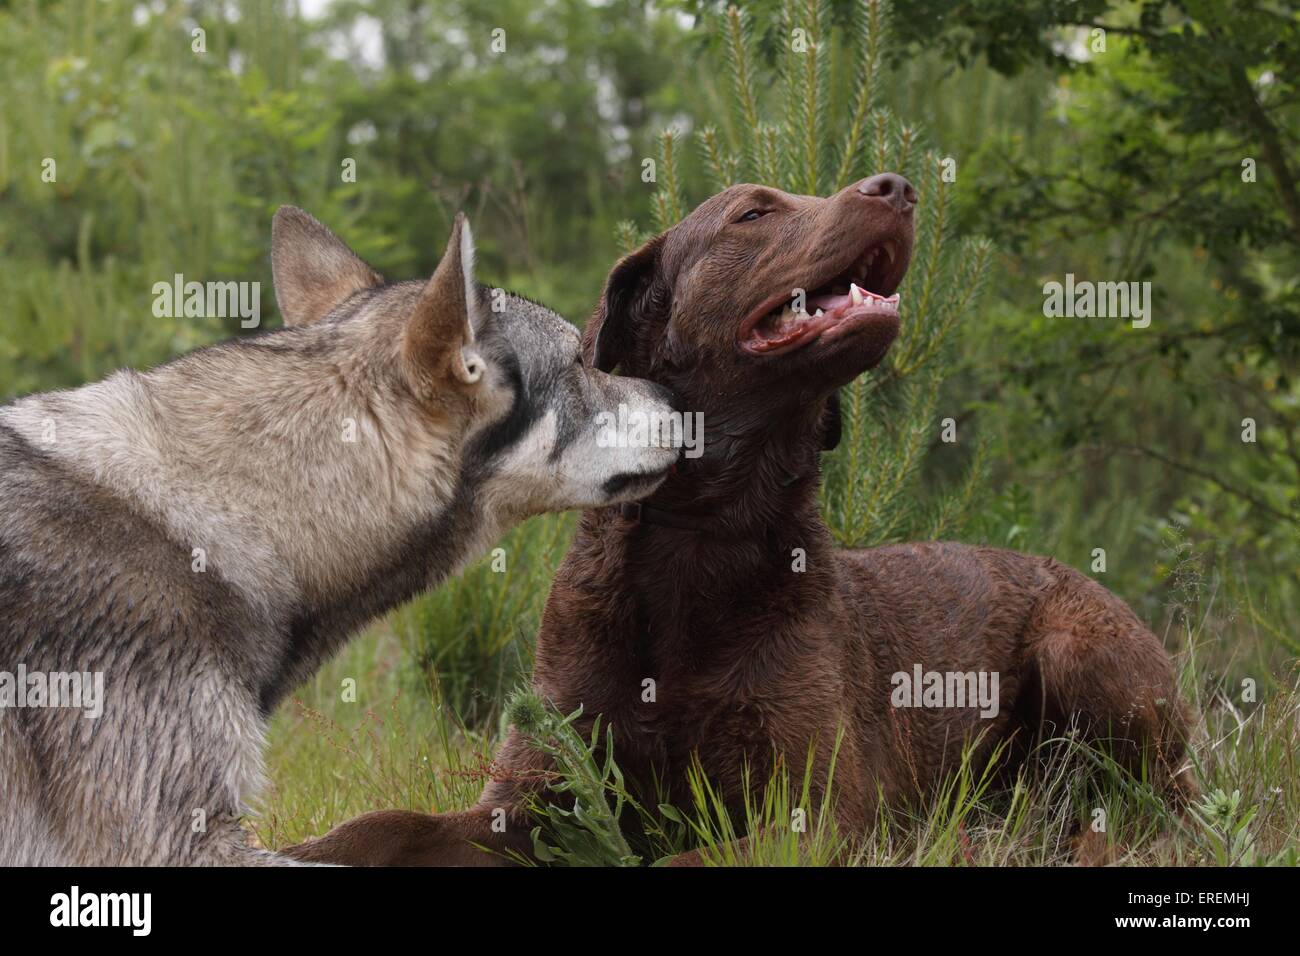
(628,295)
(440,333)
(312,268)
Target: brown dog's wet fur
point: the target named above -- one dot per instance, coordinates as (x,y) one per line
(749,657)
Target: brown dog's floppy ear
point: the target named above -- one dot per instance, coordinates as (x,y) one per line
(832,422)
(313,271)
(440,332)
(608,336)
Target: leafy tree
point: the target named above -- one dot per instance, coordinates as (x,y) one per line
(1173,162)
(171,159)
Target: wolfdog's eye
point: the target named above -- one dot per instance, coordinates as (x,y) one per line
(753,214)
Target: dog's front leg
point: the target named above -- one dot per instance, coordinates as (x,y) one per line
(405,838)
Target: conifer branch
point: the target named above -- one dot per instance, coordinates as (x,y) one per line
(722,168)
(768,164)
(739,47)
(871,17)
(626,235)
(668,205)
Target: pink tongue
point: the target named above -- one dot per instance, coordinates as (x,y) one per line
(828,303)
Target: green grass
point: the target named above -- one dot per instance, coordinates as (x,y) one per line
(393,747)
(402,744)
(409,714)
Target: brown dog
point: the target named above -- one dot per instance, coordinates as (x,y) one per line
(697,588)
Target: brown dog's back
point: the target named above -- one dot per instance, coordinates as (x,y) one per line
(1064,649)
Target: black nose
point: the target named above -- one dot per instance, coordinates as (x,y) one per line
(892,188)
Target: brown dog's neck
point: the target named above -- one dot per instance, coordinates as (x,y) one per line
(663,598)
(754,476)
(652,600)
(742,507)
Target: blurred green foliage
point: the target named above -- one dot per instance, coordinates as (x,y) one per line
(168,160)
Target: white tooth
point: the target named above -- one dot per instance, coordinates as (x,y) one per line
(889,251)
(855,294)
(817,313)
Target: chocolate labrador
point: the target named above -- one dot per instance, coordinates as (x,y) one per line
(725,590)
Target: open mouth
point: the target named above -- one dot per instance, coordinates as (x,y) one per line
(860,297)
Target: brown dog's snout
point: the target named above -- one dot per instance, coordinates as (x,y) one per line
(890,187)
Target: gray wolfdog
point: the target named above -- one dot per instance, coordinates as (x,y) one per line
(179,548)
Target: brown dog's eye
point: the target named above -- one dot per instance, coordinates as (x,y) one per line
(753,214)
